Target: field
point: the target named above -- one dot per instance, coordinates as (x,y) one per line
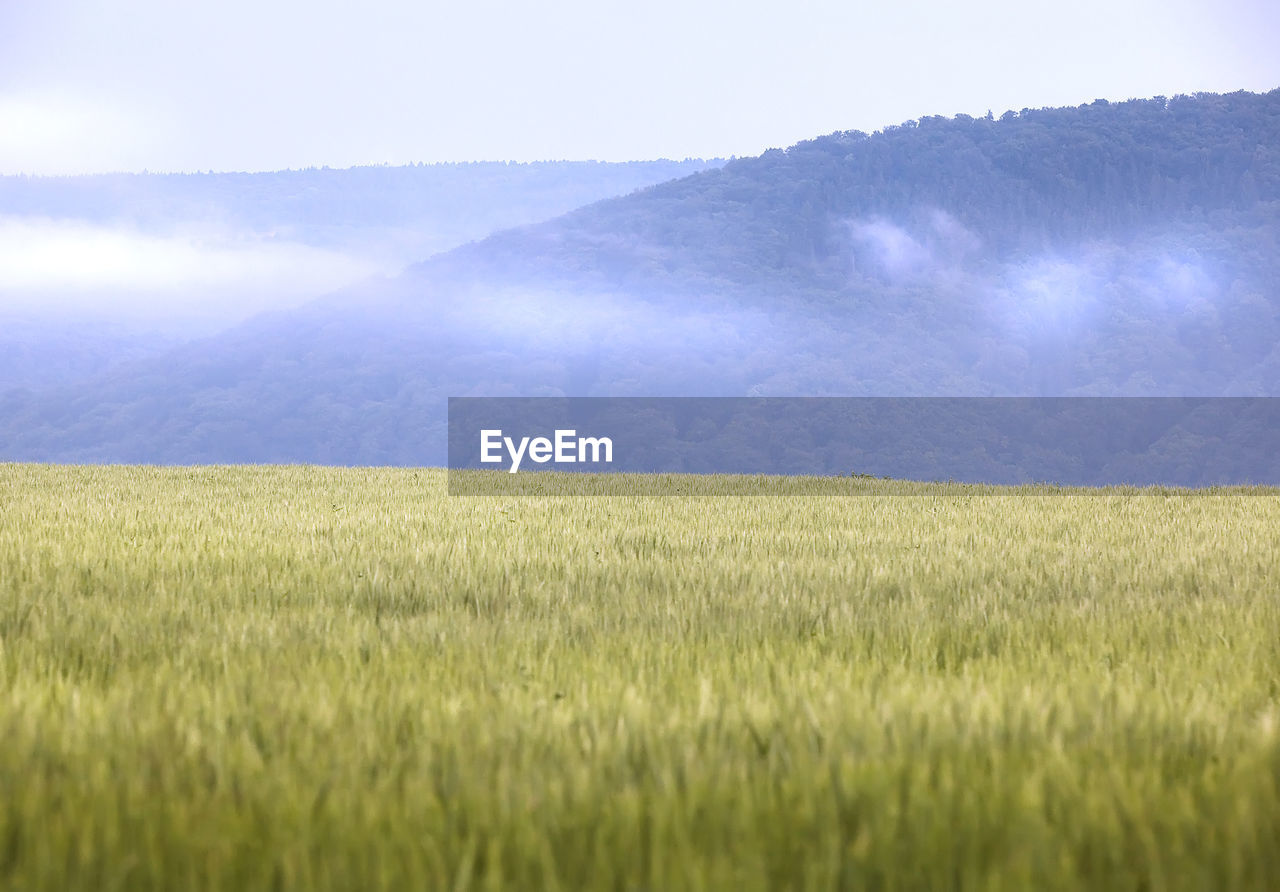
(253,678)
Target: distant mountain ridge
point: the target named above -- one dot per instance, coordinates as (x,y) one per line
(1111,249)
(420,208)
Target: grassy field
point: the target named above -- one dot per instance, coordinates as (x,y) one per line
(249,678)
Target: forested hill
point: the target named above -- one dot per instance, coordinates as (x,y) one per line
(1113,249)
(1027,181)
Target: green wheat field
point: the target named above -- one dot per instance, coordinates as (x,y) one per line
(299,677)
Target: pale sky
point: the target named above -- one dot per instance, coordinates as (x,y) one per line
(93,85)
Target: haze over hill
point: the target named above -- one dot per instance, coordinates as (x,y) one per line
(96,269)
(1111,249)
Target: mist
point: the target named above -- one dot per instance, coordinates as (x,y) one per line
(209,275)
(978,268)
(101,270)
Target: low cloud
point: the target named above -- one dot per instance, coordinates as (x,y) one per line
(936,243)
(895,251)
(202,270)
(1182,283)
(1050,296)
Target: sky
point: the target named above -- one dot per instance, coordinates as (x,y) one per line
(168,85)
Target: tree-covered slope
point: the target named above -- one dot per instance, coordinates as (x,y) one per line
(1127,248)
(1031,180)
